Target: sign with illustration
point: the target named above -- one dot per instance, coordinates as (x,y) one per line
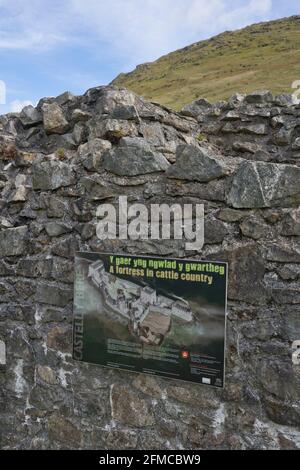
(159,316)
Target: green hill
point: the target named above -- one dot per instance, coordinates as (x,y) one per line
(261,56)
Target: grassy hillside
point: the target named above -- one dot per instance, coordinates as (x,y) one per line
(261,56)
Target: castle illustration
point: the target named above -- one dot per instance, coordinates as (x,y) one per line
(149,315)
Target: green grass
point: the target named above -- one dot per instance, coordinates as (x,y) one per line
(261,56)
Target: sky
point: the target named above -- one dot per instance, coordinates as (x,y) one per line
(50,46)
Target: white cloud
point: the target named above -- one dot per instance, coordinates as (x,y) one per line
(144,32)
(250,11)
(16,106)
(34,25)
(134,30)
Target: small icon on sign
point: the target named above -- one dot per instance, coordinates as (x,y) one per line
(206,380)
(185,354)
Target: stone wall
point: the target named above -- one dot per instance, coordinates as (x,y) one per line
(58,162)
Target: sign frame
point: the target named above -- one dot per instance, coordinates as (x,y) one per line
(156,309)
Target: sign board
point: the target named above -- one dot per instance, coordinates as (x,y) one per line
(158,316)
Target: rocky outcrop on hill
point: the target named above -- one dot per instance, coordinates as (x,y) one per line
(62,159)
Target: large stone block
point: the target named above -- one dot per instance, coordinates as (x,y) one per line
(47,374)
(246,273)
(30,117)
(196,107)
(66,247)
(284,293)
(281,412)
(13,241)
(244,128)
(197,164)
(62,431)
(112,129)
(53,295)
(291,223)
(264,96)
(134,157)
(128,408)
(148,385)
(91,153)
(281,252)
(50,175)
(97,189)
(55,229)
(260,184)
(30,267)
(60,338)
(54,119)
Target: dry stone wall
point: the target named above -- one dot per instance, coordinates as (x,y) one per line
(62,159)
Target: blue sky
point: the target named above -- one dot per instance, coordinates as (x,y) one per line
(50,46)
